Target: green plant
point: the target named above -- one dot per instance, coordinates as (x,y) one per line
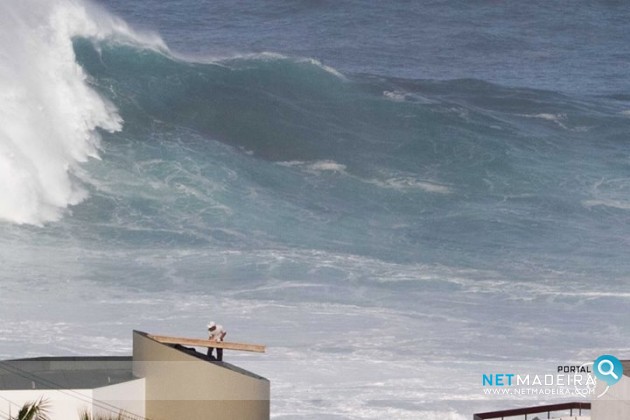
(37,410)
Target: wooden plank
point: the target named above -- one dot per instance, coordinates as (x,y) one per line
(258,348)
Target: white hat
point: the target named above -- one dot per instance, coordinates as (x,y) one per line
(212,324)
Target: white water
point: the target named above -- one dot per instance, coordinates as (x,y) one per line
(329,319)
(49,115)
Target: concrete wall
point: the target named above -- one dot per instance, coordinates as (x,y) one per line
(615,404)
(63,404)
(127,397)
(180,385)
(67,404)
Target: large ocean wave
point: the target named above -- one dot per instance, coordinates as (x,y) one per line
(49,115)
(146,188)
(215,148)
(252,141)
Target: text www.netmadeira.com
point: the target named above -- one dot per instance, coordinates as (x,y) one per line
(538,391)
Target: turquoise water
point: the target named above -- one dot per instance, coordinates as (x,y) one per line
(327,178)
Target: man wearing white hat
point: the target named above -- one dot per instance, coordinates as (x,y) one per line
(215,333)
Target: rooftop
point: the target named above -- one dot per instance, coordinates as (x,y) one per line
(64,372)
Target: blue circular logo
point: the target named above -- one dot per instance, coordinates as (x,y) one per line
(608,368)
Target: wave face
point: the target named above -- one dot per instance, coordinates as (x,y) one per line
(425,164)
(49,116)
(146,188)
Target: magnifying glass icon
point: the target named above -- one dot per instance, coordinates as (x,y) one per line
(608,372)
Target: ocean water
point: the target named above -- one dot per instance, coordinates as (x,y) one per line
(394,197)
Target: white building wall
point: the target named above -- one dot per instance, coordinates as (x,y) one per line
(68,404)
(615,404)
(127,396)
(63,404)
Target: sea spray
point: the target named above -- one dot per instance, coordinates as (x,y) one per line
(390,234)
(49,115)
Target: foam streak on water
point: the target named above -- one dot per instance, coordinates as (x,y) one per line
(380,198)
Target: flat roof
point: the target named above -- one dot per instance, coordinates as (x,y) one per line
(65,372)
(192,351)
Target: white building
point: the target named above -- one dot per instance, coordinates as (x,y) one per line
(159,382)
(72,385)
(615,403)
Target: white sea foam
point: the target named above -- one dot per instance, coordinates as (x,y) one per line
(317,166)
(398,182)
(223,60)
(396,95)
(402,96)
(327,165)
(324,67)
(557,119)
(324,358)
(611,193)
(49,115)
(276,56)
(548,117)
(616,204)
(406,183)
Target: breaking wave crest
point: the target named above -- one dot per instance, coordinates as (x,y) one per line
(49,116)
